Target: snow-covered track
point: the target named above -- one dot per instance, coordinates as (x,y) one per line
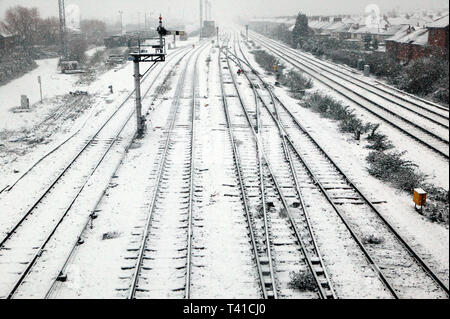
(282,247)
(58,147)
(404,272)
(430,111)
(53,290)
(24,243)
(163,256)
(411,123)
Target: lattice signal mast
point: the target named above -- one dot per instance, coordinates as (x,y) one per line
(62,28)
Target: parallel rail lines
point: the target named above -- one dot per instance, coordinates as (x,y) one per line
(280,227)
(27,240)
(435,114)
(63,269)
(173,200)
(435,139)
(325,173)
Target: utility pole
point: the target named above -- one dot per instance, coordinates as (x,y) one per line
(139,22)
(137,86)
(140,56)
(246,29)
(62,28)
(201,19)
(121,22)
(217,35)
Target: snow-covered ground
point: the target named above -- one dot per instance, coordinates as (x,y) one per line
(121,190)
(430,239)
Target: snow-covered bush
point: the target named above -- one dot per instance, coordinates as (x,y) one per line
(377,141)
(303,281)
(392,168)
(296,82)
(267,61)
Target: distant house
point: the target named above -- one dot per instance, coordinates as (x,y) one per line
(7,41)
(438,35)
(413,43)
(409,44)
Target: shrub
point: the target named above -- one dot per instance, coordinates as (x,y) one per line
(437,208)
(267,61)
(297,83)
(373,240)
(392,168)
(303,281)
(378,142)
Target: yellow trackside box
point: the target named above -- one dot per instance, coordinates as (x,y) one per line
(420,197)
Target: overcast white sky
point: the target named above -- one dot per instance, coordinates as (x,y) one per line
(179,9)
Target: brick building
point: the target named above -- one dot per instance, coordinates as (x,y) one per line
(7,41)
(438,36)
(412,43)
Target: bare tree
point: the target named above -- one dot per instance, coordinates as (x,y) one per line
(94,30)
(48,31)
(23,23)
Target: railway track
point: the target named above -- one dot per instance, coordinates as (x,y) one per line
(89,138)
(430,130)
(56,282)
(163,256)
(25,243)
(271,202)
(404,273)
(430,111)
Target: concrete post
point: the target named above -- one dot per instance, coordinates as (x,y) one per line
(137,85)
(24,102)
(366,70)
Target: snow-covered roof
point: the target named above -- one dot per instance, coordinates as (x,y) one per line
(440,23)
(335,25)
(5,34)
(285,20)
(417,37)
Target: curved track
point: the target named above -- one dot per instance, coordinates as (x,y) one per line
(24,244)
(345,197)
(277,216)
(429,126)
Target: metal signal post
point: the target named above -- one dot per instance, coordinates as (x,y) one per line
(152,53)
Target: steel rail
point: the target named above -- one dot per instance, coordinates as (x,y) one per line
(8,188)
(260,157)
(322,291)
(176,103)
(349,182)
(64,215)
(312,74)
(89,219)
(366,86)
(191,180)
(293,57)
(323,190)
(91,140)
(245,200)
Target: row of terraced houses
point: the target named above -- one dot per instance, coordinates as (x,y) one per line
(402,38)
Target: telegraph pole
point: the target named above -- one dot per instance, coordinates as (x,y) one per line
(246,29)
(121,22)
(201,19)
(217,29)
